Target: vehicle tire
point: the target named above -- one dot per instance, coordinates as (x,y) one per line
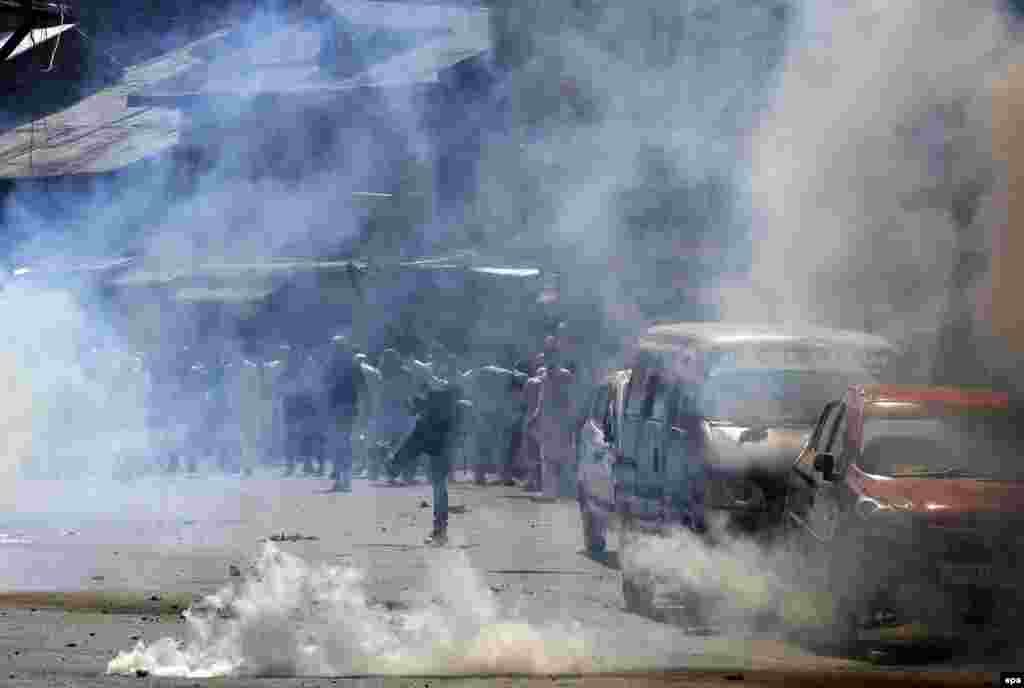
(838,633)
(843,633)
(637,596)
(587,521)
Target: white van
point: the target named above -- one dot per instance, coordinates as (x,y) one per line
(708,418)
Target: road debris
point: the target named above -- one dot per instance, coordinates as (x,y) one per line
(294,537)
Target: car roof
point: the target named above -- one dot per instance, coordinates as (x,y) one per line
(726,333)
(882,397)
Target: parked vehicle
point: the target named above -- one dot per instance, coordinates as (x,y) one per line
(909,501)
(702,426)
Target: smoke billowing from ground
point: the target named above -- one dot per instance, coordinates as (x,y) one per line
(291,618)
(736,583)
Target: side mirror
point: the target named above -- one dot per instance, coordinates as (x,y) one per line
(826,465)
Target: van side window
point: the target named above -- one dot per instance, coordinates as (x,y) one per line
(819,429)
(685,408)
(837,438)
(636,392)
(654,385)
(662,402)
(828,434)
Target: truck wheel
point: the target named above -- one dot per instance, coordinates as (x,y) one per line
(637,596)
(843,633)
(587,520)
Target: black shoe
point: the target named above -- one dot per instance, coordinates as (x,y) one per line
(438,538)
(341,486)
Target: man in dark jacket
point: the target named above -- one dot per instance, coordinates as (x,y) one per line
(346,390)
(436,434)
(302,414)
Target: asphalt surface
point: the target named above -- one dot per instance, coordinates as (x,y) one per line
(89,569)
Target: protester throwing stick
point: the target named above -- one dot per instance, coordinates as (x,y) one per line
(436,434)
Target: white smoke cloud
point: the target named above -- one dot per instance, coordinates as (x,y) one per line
(854,165)
(731,582)
(291,618)
(62,417)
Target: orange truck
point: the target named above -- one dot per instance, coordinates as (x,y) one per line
(908,502)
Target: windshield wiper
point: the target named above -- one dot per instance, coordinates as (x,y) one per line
(761,423)
(950,472)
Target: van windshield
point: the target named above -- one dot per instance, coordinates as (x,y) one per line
(772,397)
(978,446)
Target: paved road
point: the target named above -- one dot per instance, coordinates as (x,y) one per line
(178,538)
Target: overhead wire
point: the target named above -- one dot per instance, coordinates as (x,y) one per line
(56,45)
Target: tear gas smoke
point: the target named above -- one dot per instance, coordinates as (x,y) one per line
(880,121)
(291,618)
(630,180)
(735,581)
(655,154)
(60,417)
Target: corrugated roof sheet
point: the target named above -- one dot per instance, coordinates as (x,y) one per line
(108,130)
(35,38)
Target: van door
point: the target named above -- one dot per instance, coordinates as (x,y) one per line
(633,414)
(810,502)
(649,454)
(685,469)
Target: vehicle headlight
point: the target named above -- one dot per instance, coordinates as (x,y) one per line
(866,507)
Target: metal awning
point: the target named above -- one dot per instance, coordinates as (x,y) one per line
(25,24)
(137,117)
(34,38)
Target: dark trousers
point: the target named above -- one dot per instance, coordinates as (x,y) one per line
(515,445)
(339,446)
(307,444)
(439,447)
(440,470)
